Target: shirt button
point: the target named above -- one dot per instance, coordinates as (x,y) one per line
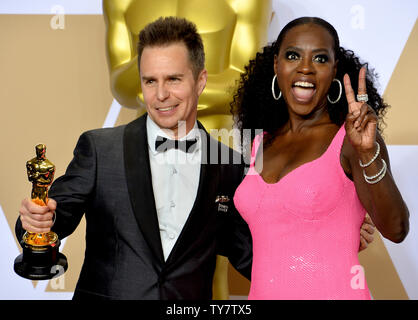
(172,204)
(174,171)
(171,236)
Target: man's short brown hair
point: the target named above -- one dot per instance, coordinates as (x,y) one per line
(169,30)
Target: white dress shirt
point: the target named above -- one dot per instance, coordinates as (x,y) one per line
(175,179)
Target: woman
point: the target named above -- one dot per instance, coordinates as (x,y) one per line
(323,164)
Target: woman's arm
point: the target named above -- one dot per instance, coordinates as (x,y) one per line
(373,179)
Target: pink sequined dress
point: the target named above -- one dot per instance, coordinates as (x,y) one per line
(305,229)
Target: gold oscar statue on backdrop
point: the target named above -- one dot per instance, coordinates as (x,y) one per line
(232,31)
(40,259)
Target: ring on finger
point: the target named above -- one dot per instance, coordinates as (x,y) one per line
(362,97)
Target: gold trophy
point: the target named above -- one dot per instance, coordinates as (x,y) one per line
(40,259)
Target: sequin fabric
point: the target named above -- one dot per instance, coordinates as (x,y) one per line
(305,229)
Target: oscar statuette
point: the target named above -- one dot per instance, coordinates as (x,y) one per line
(40,259)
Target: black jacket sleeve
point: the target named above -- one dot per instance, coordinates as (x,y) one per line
(235,235)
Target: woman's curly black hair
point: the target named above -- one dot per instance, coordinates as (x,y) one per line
(253,105)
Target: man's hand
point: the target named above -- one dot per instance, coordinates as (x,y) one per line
(366,232)
(36,218)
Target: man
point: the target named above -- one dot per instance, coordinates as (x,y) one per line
(156,216)
(229,45)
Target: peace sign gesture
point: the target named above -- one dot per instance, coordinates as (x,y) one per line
(361,120)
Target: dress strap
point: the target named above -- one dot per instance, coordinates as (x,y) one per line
(337,141)
(256,144)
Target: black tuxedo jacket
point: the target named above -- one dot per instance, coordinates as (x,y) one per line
(109,179)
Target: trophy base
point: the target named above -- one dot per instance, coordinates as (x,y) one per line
(40,263)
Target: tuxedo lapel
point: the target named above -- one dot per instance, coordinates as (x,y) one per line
(138,177)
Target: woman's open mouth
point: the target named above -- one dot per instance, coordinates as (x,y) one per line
(303,91)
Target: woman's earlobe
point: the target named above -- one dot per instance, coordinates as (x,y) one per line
(275,63)
(335,68)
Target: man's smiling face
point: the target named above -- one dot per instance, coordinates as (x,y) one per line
(170,89)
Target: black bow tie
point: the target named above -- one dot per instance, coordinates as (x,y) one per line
(163,144)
